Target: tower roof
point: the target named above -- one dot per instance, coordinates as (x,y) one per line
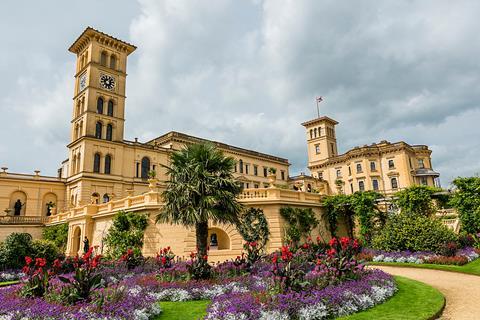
(319,120)
(90,33)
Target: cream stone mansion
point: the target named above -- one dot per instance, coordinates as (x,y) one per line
(105,173)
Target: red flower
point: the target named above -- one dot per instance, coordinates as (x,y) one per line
(88,254)
(344,242)
(305,246)
(355,244)
(40,262)
(318,238)
(164,260)
(57,264)
(333,242)
(274,259)
(205,257)
(331,252)
(28,260)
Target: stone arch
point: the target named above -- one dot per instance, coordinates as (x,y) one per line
(76,240)
(221,237)
(235,239)
(49,204)
(18,195)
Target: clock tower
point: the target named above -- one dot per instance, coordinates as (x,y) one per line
(99,97)
(97,127)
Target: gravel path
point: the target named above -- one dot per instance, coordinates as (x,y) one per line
(462,291)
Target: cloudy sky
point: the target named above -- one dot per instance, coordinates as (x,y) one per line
(247,73)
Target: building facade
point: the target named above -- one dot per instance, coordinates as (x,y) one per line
(383,167)
(105,173)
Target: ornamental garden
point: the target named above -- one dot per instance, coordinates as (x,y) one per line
(323,278)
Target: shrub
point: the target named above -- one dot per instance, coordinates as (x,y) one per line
(466,200)
(253,226)
(466,240)
(300,222)
(126,233)
(58,234)
(45,249)
(413,232)
(198,267)
(416,200)
(13,250)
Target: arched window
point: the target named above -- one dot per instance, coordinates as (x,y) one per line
(109,132)
(108,163)
(145,167)
(100,105)
(319,131)
(106,198)
(394,183)
(74,164)
(95,198)
(79,156)
(98,130)
(359,168)
(311,133)
(103,59)
(76,132)
(315,132)
(110,108)
(361,186)
(96,163)
(375,184)
(113,62)
(391,164)
(240,166)
(373,166)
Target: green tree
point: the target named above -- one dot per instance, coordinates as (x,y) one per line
(58,234)
(416,200)
(466,199)
(201,188)
(126,232)
(14,249)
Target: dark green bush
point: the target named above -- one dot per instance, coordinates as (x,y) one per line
(14,249)
(126,233)
(413,232)
(45,249)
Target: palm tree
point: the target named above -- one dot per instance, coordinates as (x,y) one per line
(201,188)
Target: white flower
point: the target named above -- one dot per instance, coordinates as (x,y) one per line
(273,315)
(378,258)
(317,311)
(135,291)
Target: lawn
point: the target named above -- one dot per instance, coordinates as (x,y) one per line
(469,268)
(7,283)
(189,310)
(413,301)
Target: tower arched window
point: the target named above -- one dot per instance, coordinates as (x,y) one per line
(96,163)
(145,167)
(109,132)
(113,62)
(103,59)
(315,132)
(110,108)
(311,133)
(98,130)
(100,105)
(108,164)
(79,156)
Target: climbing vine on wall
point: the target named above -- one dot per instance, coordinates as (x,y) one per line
(300,222)
(253,226)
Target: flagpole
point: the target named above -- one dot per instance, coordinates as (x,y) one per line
(318,110)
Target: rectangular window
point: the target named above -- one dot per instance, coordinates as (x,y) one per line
(240,166)
(421,164)
(137,169)
(391,164)
(265,171)
(282,174)
(351,187)
(247,185)
(320,175)
(339,173)
(332,146)
(375,184)
(349,171)
(246,169)
(361,186)
(317,148)
(424,181)
(255,186)
(373,166)
(255,170)
(359,168)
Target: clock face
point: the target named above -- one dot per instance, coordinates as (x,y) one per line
(107,82)
(83,81)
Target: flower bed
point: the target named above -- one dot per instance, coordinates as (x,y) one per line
(462,256)
(10,275)
(311,281)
